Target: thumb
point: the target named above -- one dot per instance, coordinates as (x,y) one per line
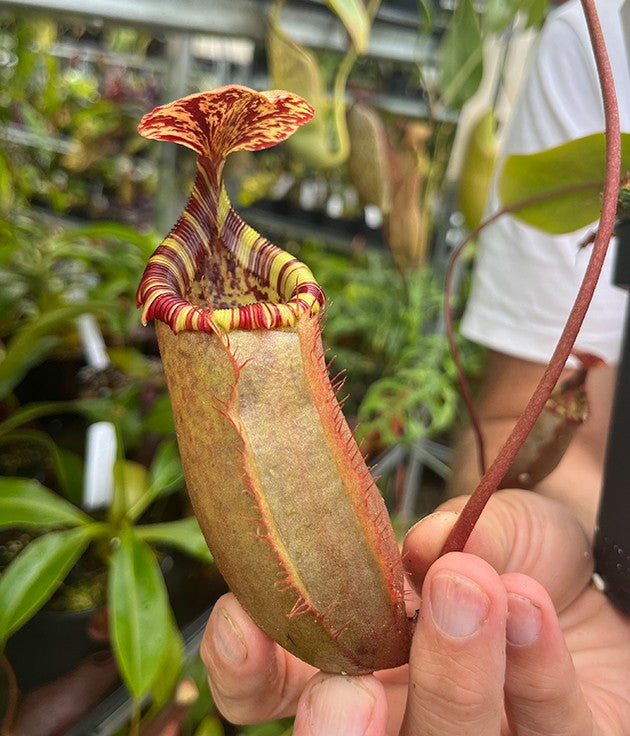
(518,531)
(341,705)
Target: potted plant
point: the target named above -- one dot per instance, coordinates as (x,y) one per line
(52,278)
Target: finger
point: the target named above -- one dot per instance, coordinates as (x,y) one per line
(542,691)
(518,531)
(252,679)
(338,705)
(457,660)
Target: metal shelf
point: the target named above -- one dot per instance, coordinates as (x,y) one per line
(394,36)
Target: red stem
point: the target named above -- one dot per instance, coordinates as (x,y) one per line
(493,476)
(448,296)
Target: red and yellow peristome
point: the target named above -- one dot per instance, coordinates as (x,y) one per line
(210,235)
(288,507)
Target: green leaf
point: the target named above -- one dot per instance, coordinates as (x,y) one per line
(461,59)
(7,191)
(36,410)
(131,484)
(195,670)
(68,466)
(536,12)
(283,727)
(145,242)
(131,362)
(210,726)
(70,473)
(166,472)
(169,672)
(354,16)
(426,13)
(499,14)
(24,355)
(25,502)
(165,476)
(160,417)
(33,341)
(139,613)
(568,178)
(184,534)
(30,580)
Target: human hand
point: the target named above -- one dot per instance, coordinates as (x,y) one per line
(523,670)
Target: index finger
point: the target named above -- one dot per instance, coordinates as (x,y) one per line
(252,678)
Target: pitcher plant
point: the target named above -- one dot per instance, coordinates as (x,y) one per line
(289,509)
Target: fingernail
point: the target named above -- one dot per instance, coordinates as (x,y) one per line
(458,605)
(340,706)
(524,621)
(228,640)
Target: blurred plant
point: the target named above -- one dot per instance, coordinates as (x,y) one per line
(465,31)
(203,719)
(137,598)
(282,727)
(49,276)
(397,165)
(324,143)
(47,265)
(68,124)
(479,159)
(381,329)
(392,172)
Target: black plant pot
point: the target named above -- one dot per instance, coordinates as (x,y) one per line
(612,537)
(49,645)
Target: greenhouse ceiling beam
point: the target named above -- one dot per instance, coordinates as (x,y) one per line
(395,34)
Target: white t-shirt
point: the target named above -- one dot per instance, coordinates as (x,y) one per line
(526,280)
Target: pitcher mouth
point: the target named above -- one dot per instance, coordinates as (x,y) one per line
(213,272)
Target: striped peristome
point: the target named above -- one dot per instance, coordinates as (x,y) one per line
(172,269)
(286,502)
(214,124)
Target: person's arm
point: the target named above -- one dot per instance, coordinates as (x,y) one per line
(507,386)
